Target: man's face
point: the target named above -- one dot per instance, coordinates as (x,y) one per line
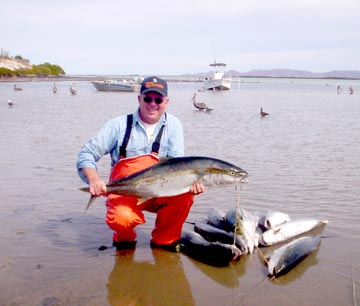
(152,106)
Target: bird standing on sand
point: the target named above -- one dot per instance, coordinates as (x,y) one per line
(54,89)
(200,105)
(10,103)
(17,88)
(72,90)
(262,113)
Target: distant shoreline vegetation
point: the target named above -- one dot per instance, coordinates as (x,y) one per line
(25,69)
(42,70)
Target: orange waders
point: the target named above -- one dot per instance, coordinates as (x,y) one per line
(123,213)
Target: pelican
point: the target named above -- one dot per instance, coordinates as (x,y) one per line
(200,105)
(55,89)
(72,90)
(262,113)
(10,103)
(17,88)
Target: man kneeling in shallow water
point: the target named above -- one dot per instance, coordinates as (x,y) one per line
(135,142)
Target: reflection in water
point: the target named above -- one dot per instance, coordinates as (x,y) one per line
(225,276)
(144,283)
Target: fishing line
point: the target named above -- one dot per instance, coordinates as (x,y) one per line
(236,226)
(353,286)
(237,193)
(253,289)
(346,276)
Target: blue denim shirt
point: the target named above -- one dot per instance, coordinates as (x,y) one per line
(111,135)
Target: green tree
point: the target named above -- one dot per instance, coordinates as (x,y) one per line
(6,72)
(41,70)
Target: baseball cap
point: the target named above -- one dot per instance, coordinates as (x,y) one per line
(154,84)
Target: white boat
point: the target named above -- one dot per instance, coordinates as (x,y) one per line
(218,80)
(117,85)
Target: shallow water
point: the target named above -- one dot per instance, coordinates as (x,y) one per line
(303,160)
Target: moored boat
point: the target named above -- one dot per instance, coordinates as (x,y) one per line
(115,85)
(218,80)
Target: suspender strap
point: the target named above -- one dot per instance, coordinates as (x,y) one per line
(129,122)
(156,144)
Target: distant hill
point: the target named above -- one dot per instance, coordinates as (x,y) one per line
(289,73)
(14,63)
(20,67)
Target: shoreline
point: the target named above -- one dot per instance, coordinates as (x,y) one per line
(186,79)
(82,78)
(51,79)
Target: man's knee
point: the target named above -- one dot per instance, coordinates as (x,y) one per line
(123,217)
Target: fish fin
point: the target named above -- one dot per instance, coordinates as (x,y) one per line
(327,236)
(164,159)
(92,199)
(140,201)
(235,252)
(277,230)
(84,189)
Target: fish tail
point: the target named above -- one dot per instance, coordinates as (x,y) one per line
(84,189)
(92,199)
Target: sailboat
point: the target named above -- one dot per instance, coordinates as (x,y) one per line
(218,80)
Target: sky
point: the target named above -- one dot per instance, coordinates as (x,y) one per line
(165,37)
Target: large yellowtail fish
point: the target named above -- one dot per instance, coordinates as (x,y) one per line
(174,176)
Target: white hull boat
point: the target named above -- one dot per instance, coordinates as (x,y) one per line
(218,80)
(114,85)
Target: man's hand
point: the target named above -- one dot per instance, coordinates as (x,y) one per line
(97,186)
(197,188)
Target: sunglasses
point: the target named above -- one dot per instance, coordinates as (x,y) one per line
(157,100)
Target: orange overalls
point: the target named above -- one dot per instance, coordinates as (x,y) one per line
(123,214)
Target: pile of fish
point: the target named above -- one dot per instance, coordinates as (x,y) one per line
(224,237)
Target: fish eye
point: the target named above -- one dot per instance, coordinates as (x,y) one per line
(233,172)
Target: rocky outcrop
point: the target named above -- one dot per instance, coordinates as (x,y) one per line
(14,64)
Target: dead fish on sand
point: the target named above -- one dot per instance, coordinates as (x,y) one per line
(174,176)
(289,230)
(272,219)
(245,224)
(213,253)
(213,234)
(289,255)
(215,217)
